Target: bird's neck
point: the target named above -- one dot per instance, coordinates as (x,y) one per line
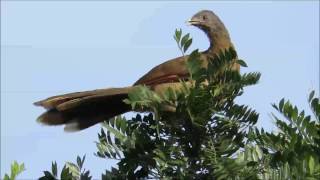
(219,41)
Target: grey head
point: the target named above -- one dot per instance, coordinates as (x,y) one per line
(215,30)
(207,21)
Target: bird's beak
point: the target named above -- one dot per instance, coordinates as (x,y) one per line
(193,21)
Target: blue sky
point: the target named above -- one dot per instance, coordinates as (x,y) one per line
(50,48)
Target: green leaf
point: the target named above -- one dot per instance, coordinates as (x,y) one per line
(194,63)
(54,169)
(315,106)
(294,113)
(259,152)
(242,63)
(177,35)
(66,174)
(311,95)
(16,169)
(82,161)
(85,176)
(6,177)
(79,163)
(187,45)
(47,176)
(184,39)
(115,131)
(73,169)
(311,165)
(281,103)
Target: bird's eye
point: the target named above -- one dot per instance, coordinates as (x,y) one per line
(204,18)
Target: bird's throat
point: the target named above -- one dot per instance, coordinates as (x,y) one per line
(219,41)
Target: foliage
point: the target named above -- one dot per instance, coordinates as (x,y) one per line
(197,137)
(70,171)
(293,150)
(206,135)
(16,169)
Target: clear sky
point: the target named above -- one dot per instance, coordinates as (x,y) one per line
(49,48)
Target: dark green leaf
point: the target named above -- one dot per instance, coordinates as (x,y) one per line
(242,63)
(184,39)
(47,176)
(85,176)
(311,95)
(54,169)
(177,35)
(281,104)
(187,45)
(65,174)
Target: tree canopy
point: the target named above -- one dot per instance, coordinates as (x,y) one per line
(198,131)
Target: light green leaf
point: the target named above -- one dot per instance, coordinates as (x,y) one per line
(259,152)
(16,169)
(311,165)
(73,169)
(6,177)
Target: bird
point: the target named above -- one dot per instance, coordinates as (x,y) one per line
(80,110)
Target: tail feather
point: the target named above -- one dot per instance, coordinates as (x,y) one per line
(52,117)
(81,110)
(53,101)
(81,123)
(103,96)
(84,109)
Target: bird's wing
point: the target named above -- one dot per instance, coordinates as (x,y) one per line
(169,71)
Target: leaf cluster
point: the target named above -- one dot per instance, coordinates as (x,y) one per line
(183,42)
(16,169)
(70,171)
(295,148)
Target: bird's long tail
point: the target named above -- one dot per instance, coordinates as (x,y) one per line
(81,110)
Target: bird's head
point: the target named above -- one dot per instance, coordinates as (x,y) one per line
(206,20)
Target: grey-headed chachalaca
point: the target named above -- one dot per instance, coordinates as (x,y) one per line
(81,110)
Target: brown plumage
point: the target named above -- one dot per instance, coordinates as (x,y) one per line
(81,110)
